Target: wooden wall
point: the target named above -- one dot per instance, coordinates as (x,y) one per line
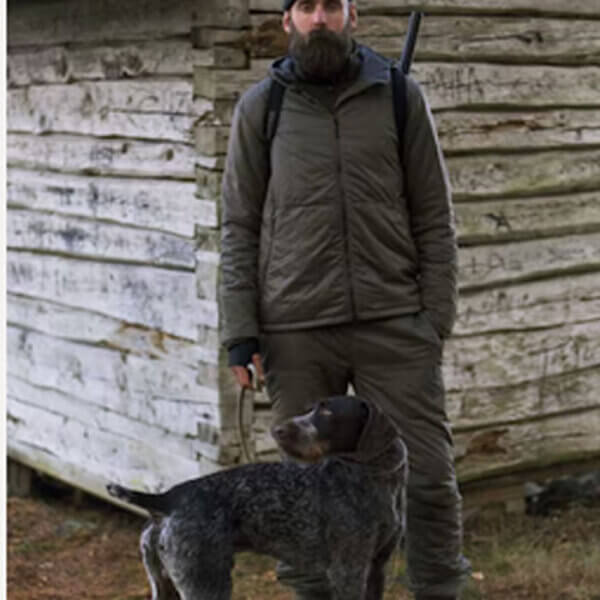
(118,120)
(113,347)
(515,89)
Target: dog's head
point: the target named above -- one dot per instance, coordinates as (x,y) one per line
(333,426)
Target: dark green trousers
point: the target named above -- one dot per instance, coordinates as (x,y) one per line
(396,363)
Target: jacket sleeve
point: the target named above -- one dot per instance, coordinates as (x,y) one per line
(243,190)
(431,212)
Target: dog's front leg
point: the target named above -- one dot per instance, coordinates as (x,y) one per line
(348,576)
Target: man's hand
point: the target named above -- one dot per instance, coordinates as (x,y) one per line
(242,375)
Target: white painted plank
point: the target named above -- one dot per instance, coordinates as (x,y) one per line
(98,20)
(160,299)
(81,325)
(505,220)
(97,418)
(482,38)
(530,305)
(502,359)
(66,64)
(465,38)
(156,392)
(460,85)
(518,130)
(85,238)
(160,205)
(93,156)
(550,396)
(496,264)
(524,174)
(102,454)
(145,109)
(530,445)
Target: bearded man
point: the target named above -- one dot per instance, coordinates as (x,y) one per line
(339,264)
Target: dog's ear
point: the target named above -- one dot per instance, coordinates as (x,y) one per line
(340,421)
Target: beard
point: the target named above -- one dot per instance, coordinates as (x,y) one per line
(322,54)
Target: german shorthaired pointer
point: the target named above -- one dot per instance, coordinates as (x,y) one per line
(342,513)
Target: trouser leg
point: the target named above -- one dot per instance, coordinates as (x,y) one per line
(301,368)
(398,365)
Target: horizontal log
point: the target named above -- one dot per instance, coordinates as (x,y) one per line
(86,327)
(499,264)
(453,85)
(530,305)
(537,444)
(154,204)
(464,131)
(62,21)
(503,359)
(504,220)
(93,156)
(153,391)
(475,409)
(518,130)
(144,109)
(66,64)
(550,7)
(162,299)
(526,174)
(103,455)
(95,417)
(85,238)
(460,38)
(489,39)
(233,14)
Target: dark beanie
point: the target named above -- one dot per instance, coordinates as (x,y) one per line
(287,4)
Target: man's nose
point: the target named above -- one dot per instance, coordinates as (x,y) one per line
(319,16)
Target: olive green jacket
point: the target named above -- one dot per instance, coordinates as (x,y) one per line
(331,228)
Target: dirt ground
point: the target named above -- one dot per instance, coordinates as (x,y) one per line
(60,549)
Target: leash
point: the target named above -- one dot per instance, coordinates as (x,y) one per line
(256,385)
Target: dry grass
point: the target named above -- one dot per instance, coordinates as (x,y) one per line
(60,551)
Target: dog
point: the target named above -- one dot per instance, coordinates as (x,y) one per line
(339,511)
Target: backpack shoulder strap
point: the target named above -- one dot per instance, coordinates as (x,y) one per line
(274,102)
(399,100)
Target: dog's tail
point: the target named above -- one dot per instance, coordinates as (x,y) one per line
(156,504)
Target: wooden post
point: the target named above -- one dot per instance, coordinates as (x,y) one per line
(20,478)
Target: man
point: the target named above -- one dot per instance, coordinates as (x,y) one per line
(339,264)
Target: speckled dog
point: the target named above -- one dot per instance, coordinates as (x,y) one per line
(342,514)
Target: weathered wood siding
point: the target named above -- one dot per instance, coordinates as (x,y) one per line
(515,89)
(114,361)
(118,122)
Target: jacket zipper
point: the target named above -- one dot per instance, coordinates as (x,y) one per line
(346,229)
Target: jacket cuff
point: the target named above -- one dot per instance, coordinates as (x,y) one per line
(240,354)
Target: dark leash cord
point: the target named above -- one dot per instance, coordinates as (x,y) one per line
(256,386)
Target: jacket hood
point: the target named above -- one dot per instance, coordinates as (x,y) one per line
(380,447)
(374,68)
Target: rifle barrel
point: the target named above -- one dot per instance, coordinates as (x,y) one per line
(410,42)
